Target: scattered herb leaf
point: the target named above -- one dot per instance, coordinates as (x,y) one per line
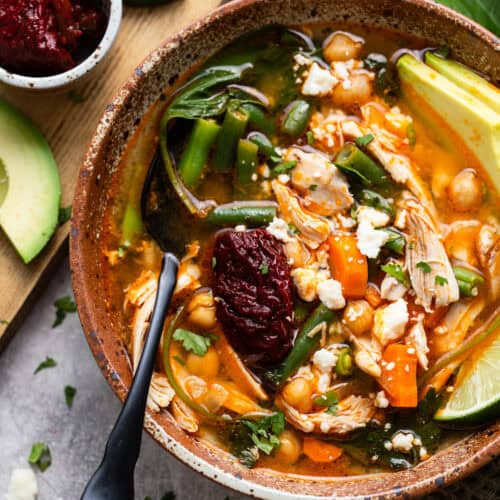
(330,400)
(283,168)
(198,344)
(264,269)
(396,271)
(310,138)
(40,456)
(48,363)
(63,306)
(364,140)
(374,61)
(313,187)
(64,215)
(387,83)
(411,135)
(441,280)
(424,267)
(293,228)
(214,262)
(442,51)
(69,394)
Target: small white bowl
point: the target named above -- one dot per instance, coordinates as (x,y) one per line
(113,9)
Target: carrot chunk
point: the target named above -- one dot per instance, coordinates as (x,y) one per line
(399,375)
(349,266)
(319,451)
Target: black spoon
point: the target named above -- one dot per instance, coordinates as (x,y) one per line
(114,478)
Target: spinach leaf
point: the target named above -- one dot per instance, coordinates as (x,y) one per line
(69,394)
(63,306)
(485,12)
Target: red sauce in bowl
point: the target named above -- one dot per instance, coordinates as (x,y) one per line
(46,37)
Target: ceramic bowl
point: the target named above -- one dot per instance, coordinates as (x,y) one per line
(113,9)
(103,321)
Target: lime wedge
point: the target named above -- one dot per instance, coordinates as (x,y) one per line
(476,396)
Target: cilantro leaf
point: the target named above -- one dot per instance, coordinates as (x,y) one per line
(364,140)
(69,394)
(440,280)
(264,269)
(424,267)
(40,456)
(48,363)
(310,138)
(64,215)
(396,271)
(313,187)
(214,262)
(329,399)
(63,306)
(198,344)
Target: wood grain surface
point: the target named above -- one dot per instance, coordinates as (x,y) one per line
(68,127)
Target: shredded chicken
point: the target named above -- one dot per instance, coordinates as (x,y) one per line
(367,354)
(354,412)
(323,187)
(430,270)
(313,228)
(488,249)
(418,339)
(160,394)
(184,416)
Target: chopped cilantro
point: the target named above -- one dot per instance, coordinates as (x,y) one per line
(441,280)
(283,168)
(313,187)
(69,394)
(48,363)
(40,456)
(364,140)
(396,271)
(63,306)
(330,400)
(264,269)
(198,344)
(214,262)
(310,138)
(64,215)
(424,267)
(410,134)
(293,228)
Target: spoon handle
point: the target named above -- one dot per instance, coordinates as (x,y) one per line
(114,479)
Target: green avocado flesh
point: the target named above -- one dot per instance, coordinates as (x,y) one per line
(477,123)
(30,189)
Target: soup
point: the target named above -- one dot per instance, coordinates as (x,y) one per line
(339,249)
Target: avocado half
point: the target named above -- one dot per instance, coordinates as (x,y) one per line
(30,188)
(470,114)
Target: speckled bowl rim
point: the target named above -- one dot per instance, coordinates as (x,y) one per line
(59,80)
(474,451)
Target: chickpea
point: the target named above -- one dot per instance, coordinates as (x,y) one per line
(358,316)
(466,191)
(206,366)
(298,393)
(359,91)
(290,448)
(341,46)
(201,311)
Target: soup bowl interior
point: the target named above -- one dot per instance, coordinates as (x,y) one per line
(102,319)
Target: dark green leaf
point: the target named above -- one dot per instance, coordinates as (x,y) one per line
(373,199)
(310,138)
(69,394)
(429,405)
(214,262)
(48,363)
(283,168)
(364,140)
(198,344)
(387,83)
(441,280)
(424,267)
(313,187)
(264,269)
(485,12)
(396,271)
(374,61)
(293,228)
(64,214)
(330,400)
(63,306)
(40,456)
(442,51)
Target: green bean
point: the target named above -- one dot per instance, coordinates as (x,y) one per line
(265,145)
(468,281)
(396,242)
(344,365)
(233,128)
(375,200)
(305,343)
(247,213)
(196,153)
(301,310)
(246,161)
(351,159)
(296,118)
(131,225)
(258,119)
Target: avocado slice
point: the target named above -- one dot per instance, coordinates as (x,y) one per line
(476,123)
(466,79)
(30,188)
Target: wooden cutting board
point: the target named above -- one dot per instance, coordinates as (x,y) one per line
(68,127)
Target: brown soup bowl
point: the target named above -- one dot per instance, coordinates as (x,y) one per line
(103,321)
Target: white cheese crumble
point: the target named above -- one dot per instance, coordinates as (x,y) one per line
(392,289)
(22,485)
(381,400)
(370,240)
(330,293)
(302,60)
(375,217)
(402,442)
(324,360)
(279,229)
(240,228)
(284,178)
(390,322)
(305,281)
(319,81)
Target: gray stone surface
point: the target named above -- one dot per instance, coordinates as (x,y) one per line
(33,408)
